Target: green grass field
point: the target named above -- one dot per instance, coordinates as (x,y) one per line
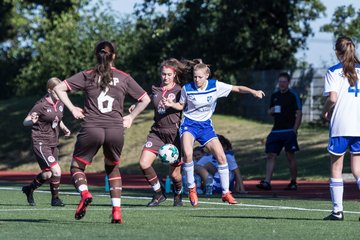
(254,218)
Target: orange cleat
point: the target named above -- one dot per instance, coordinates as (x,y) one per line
(116,215)
(86,199)
(193,196)
(227,197)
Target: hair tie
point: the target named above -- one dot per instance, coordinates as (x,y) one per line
(104,51)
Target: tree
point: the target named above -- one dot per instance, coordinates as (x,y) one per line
(345,22)
(57,40)
(229,35)
(23,23)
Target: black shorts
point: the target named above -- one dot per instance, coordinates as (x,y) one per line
(45,155)
(89,140)
(277,140)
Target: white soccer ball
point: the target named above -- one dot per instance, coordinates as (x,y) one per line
(168,154)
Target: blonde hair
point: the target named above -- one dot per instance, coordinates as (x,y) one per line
(52,82)
(345,51)
(202,66)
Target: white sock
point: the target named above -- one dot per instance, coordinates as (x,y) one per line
(224,177)
(83,187)
(337,191)
(189,170)
(156,186)
(116,202)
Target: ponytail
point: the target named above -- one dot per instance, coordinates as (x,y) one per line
(345,51)
(104,52)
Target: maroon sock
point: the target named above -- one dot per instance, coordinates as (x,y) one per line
(54,186)
(115,181)
(78,177)
(151,177)
(37,182)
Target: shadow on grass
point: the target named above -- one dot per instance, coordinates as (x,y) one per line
(259,217)
(26,220)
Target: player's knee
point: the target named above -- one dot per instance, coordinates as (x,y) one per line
(46,175)
(56,171)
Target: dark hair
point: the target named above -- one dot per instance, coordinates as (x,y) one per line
(198,148)
(187,75)
(285,75)
(104,52)
(225,142)
(177,66)
(345,51)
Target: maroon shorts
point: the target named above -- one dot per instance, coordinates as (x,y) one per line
(160,136)
(89,140)
(45,155)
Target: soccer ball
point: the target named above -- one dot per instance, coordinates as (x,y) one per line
(168,154)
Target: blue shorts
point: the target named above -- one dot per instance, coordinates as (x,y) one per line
(277,140)
(338,145)
(203,132)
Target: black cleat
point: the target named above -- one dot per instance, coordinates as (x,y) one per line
(156,200)
(336,216)
(291,186)
(29,195)
(178,200)
(56,202)
(264,185)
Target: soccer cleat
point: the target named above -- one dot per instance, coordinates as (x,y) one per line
(178,200)
(86,199)
(336,216)
(264,185)
(56,202)
(193,196)
(227,197)
(157,199)
(29,195)
(291,186)
(116,215)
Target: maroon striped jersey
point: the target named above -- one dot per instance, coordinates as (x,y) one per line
(166,117)
(104,109)
(46,129)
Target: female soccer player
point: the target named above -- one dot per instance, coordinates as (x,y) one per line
(103,122)
(198,99)
(164,130)
(45,118)
(342,108)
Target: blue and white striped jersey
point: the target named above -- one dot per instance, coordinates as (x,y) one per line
(200,103)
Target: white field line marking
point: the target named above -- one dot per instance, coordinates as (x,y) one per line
(271,207)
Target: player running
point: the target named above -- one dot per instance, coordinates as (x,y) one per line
(45,119)
(198,99)
(103,122)
(164,130)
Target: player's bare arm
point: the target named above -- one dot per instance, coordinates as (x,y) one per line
(242,89)
(170,103)
(65,130)
(61,90)
(329,105)
(139,107)
(31,119)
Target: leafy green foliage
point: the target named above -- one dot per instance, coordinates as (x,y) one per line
(229,35)
(345,22)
